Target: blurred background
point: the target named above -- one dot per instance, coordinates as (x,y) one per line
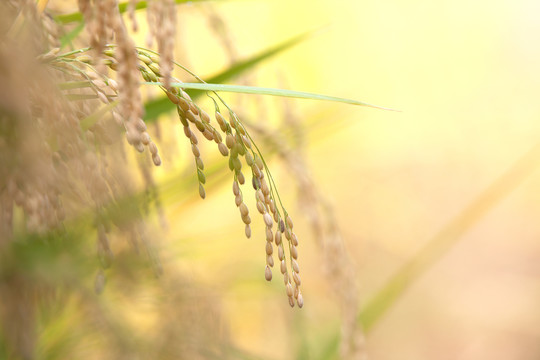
(465,78)
(437,205)
(417,193)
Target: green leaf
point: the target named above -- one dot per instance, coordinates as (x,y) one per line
(331,347)
(68,38)
(156,107)
(268,91)
(77,16)
(90,120)
(439,245)
(241,66)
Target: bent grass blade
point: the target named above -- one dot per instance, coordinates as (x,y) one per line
(156,107)
(268,91)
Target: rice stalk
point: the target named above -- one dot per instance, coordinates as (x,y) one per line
(64,121)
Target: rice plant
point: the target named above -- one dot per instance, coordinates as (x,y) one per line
(72,206)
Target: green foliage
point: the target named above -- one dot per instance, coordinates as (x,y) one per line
(156,107)
(239,89)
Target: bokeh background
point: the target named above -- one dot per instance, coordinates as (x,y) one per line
(438,204)
(464,75)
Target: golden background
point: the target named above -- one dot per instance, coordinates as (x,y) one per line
(464,77)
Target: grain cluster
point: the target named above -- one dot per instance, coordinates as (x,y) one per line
(76,107)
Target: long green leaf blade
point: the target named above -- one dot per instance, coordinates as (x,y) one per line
(69,37)
(90,120)
(159,106)
(156,107)
(268,91)
(241,66)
